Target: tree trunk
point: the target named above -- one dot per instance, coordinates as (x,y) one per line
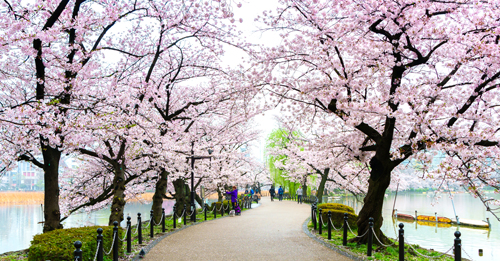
(52,213)
(380,177)
(181,196)
(220,195)
(321,188)
(160,193)
(118,203)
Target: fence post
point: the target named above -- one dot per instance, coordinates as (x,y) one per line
(193,213)
(370,237)
(320,221)
(115,240)
(228,207)
(151,224)
(78,252)
(205,212)
(329,225)
(221,208)
(458,246)
(139,227)
(99,243)
(174,218)
(344,240)
(163,220)
(401,242)
(215,210)
(314,218)
(129,235)
(184,217)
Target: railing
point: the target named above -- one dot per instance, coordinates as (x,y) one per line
(100,252)
(317,220)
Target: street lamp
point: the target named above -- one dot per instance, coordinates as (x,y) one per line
(193,193)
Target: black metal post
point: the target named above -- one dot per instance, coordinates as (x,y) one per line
(184,217)
(139,227)
(228,208)
(370,237)
(205,213)
(329,225)
(163,220)
(312,213)
(401,242)
(193,216)
(115,240)
(129,235)
(221,208)
(99,244)
(215,210)
(78,253)
(314,218)
(458,246)
(174,218)
(320,221)
(344,239)
(151,225)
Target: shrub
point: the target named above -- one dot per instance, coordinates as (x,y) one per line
(59,244)
(336,206)
(225,202)
(338,218)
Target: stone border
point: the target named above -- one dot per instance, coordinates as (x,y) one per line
(331,246)
(156,241)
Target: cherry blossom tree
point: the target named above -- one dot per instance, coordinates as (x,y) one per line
(407,77)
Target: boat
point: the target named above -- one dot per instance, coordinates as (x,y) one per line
(404,217)
(433,219)
(471,223)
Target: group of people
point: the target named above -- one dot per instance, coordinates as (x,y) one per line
(272,192)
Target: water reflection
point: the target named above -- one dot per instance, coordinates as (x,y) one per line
(437,236)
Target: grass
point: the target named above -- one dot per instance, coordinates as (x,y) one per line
(379,252)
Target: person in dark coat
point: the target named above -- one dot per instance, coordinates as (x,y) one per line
(234,199)
(280,193)
(272,192)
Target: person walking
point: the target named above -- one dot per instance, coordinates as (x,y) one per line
(280,193)
(272,192)
(299,195)
(234,200)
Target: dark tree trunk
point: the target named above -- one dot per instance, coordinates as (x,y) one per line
(52,213)
(304,187)
(321,188)
(118,203)
(160,194)
(181,196)
(380,177)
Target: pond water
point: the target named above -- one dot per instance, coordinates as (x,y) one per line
(440,238)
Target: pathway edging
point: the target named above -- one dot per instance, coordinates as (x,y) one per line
(331,246)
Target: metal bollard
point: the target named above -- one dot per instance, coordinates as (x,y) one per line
(329,225)
(370,237)
(139,228)
(174,218)
(215,210)
(163,220)
(222,209)
(205,213)
(129,235)
(401,242)
(100,243)
(320,221)
(78,253)
(228,208)
(314,218)
(151,224)
(115,240)
(184,217)
(193,213)
(344,239)
(458,246)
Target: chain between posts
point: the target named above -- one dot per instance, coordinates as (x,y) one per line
(393,243)
(125,235)
(470,258)
(354,233)
(111,249)
(431,257)
(97,250)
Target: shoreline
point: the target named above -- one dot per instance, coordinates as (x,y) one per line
(37,197)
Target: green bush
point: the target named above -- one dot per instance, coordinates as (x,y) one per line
(338,217)
(59,244)
(336,206)
(225,202)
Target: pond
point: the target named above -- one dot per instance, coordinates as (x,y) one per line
(438,237)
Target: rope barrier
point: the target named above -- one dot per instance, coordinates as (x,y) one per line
(97,250)
(354,233)
(149,223)
(375,234)
(334,225)
(111,249)
(136,228)
(125,237)
(470,258)
(431,257)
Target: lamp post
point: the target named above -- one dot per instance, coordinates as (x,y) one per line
(193,193)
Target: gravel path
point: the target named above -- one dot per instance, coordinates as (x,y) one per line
(270,231)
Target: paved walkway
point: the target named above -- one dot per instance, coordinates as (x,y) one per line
(272,231)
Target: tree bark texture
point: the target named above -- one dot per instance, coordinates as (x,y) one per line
(181,196)
(321,187)
(52,213)
(118,203)
(160,193)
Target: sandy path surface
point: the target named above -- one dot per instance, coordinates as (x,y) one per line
(272,231)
